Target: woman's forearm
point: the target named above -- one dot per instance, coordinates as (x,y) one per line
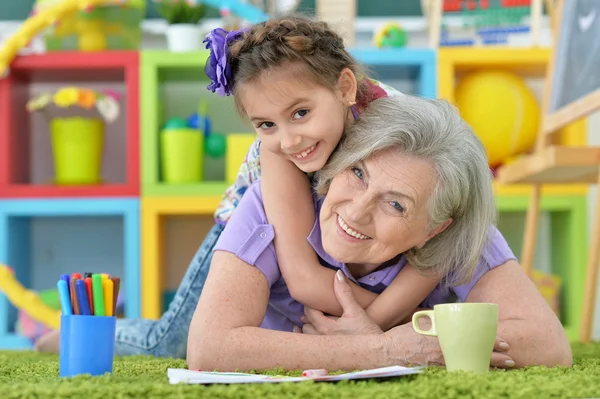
(254,348)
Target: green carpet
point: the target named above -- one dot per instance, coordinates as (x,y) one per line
(32,375)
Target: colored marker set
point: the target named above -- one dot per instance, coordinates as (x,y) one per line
(88,306)
(91,295)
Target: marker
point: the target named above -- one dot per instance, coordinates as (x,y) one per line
(84,303)
(314,373)
(67,279)
(75,275)
(116,287)
(90,293)
(98,295)
(63,294)
(74,299)
(86,275)
(107,288)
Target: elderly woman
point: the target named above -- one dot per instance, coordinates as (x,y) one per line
(426,158)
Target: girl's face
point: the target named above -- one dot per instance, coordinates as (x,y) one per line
(296,118)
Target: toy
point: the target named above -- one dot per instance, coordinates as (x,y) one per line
(95,28)
(77,117)
(482,22)
(27,300)
(216,145)
(390,35)
(502,111)
(175,123)
(36,23)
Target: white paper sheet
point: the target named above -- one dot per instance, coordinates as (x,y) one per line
(184,376)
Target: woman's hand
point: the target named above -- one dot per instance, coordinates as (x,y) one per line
(354,320)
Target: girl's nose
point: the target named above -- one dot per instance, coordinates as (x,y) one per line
(290,142)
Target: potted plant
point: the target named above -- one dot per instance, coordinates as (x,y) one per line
(77,119)
(183,32)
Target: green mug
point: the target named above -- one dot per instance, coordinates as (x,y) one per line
(466,331)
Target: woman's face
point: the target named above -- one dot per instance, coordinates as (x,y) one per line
(379,209)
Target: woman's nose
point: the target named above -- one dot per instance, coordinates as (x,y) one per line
(290,142)
(359,209)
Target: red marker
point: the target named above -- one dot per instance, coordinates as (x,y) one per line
(314,373)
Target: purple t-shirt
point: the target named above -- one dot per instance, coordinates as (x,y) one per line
(248,236)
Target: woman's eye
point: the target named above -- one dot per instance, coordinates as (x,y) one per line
(265,125)
(358,172)
(300,114)
(396,205)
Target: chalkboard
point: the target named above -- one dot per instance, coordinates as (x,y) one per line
(577,54)
(14,10)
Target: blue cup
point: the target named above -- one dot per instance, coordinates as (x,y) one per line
(87,345)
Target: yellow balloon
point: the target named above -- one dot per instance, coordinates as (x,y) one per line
(502,110)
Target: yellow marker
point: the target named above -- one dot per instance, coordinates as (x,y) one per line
(107,291)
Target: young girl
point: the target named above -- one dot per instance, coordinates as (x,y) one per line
(298,86)
(296,83)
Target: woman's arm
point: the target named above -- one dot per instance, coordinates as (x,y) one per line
(399,300)
(225,334)
(289,207)
(525,321)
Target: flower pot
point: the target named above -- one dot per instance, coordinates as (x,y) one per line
(77,146)
(182,155)
(184,37)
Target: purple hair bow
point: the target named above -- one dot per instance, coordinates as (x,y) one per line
(217,68)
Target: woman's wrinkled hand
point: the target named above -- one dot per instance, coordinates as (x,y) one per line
(354,320)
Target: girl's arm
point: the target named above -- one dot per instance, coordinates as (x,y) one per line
(400,299)
(288,203)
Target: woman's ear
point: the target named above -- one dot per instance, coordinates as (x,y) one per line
(440,228)
(347,86)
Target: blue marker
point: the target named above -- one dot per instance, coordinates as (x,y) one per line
(84,305)
(65,299)
(67,280)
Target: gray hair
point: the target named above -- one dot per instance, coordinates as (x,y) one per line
(434,131)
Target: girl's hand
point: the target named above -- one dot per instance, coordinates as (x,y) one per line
(354,320)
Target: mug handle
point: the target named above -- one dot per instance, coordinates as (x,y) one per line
(415,322)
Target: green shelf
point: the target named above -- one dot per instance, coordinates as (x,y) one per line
(568,242)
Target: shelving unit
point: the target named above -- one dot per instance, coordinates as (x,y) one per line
(42,238)
(25,151)
(566,205)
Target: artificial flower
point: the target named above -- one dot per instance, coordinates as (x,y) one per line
(87,98)
(66,97)
(217,68)
(39,102)
(108,108)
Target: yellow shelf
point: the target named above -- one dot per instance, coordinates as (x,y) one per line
(154,211)
(529,62)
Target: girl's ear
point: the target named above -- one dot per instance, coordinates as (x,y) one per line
(347,86)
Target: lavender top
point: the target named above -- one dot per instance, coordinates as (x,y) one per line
(248,236)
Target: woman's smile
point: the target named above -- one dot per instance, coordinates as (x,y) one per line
(348,232)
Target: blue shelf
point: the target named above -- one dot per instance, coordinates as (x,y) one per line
(84,225)
(420,59)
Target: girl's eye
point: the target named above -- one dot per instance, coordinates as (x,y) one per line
(358,172)
(396,205)
(265,125)
(300,114)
